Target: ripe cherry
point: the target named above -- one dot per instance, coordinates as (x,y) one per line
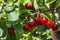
(32,24)
(10,30)
(28,5)
(26,27)
(55,27)
(43,20)
(37,20)
(49,24)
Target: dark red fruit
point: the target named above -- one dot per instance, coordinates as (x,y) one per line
(55,27)
(26,27)
(49,24)
(37,20)
(44,20)
(11,30)
(28,5)
(32,24)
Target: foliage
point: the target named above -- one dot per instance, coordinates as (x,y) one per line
(13,13)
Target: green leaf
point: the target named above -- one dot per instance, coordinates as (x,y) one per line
(35,5)
(13,22)
(21,1)
(43,15)
(13,16)
(1,0)
(1,32)
(42,8)
(42,5)
(9,8)
(49,37)
(3,27)
(50,1)
(11,37)
(44,33)
(58,3)
(17,3)
(47,32)
(26,1)
(1,15)
(47,5)
(18,35)
(58,23)
(49,15)
(42,28)
(29,37)
(58,11)
(14,0)
(18,27)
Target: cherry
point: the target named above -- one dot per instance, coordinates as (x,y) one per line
(43,20)
(10,30)
(55,27)
(32,24)
(37,20)
(49,24)
(26,27)
(28,5)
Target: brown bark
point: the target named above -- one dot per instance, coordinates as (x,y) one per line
(54,35)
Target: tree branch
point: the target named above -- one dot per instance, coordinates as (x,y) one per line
(45,11)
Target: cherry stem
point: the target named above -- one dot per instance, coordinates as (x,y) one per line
(40,11)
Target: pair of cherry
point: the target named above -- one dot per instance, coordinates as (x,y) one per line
(40,21)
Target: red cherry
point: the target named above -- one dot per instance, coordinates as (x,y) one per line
(55,27)
(37,20)
(44,20)
(28,5)
(49,24)
(10,30)
(32,24)
(26,27)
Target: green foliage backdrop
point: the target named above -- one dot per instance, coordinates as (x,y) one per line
(13,13)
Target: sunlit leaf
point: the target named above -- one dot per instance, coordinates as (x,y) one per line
(1,32)
(1,0)
(13,16)
(3,27)
(35,5)
(26,1)
(9,8)
(58,3)
(50,1)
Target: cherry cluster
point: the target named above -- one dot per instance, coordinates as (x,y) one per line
(40,21)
